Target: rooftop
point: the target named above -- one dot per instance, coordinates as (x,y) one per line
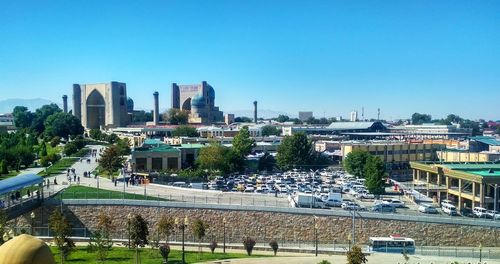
(486,140)
(19,182)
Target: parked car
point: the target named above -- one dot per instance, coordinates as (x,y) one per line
(364,195)
(384,208)
(493,215)
(427,209)
(333,202)
(396,203)
(480,212)
(351,206)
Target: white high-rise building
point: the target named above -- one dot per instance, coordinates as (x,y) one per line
(354,116)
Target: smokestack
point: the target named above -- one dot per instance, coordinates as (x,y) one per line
(65,103)
(156,110)
(255,111)
(378,114)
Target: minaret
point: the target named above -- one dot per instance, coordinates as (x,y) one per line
(65,103)
(156,110)
(255,111)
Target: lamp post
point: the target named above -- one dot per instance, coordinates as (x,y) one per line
(316,235)
(480,252)
(224,233)
(182,226)
(129,218)
(32,216)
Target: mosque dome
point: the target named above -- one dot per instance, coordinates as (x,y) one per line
(198,101)
(26,249)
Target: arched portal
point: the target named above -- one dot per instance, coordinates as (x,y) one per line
(96,110)
(187,104)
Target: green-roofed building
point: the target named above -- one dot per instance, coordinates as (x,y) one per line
(466,184)
(154,155)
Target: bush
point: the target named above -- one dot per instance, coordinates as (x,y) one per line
(55,141)
(70,149)
(274,245)
(52,158)
(213,245)
(248,244)
(356,256)
(165,251)
(324,262)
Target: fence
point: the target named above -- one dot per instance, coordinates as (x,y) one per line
(265,203)
(285,243)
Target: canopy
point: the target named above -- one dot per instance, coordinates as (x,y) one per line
(19,182)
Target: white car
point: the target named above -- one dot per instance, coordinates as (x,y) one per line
(396,203)
(480,212)
(351,206)
(333,202)
(493,215)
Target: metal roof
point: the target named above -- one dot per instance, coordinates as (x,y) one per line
(350,125)
(486,140)
(19,182)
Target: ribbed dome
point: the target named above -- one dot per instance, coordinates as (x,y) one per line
(25,249)
(198,101)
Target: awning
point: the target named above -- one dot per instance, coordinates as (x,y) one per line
(19,182)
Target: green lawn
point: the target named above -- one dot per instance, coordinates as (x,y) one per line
(84,192)
(82,152)
(120,255)
(12,173)
(59,167)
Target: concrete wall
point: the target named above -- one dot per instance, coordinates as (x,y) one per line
(284,226)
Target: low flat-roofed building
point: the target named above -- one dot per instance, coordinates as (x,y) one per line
(431,131)
(484,143)
(154,155)
(466,156)
(335,128)
(395,154)
(467,185)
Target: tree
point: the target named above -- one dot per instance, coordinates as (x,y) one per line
(418,119)
(61,229)
(138,234)
(63,125)
(274,246)
(55,141)
(266,162)
(243,119)
(176,116)
(165,251)
(199,230)
(374,171)
(282,118)
(70,149)
(219,158)
(41,115)
(213,245)
(123,146)
(3,167)
(243,143)
(354,162)
(142,116)
(185,131)
(95,134)
(165,226)
(296,150)
(111,160)
(43,149)
(497,131)
(356,256)
(100,240)
(248,244)
(24,155)
(270,131)
(22,117)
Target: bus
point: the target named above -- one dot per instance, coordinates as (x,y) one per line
(392,244)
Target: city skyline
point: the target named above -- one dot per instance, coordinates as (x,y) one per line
(329,58)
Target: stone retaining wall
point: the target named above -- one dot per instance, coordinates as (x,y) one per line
(264,226)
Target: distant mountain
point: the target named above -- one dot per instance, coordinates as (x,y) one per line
(7,105)
(261,113)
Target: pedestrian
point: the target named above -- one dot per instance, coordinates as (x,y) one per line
(55,181)
(28,193)
(115,182)
(67,173)
(126,182)
(78,179)
(74,178)
(85,174)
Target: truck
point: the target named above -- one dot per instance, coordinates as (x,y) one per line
(309,201)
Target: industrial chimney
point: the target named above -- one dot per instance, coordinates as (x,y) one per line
(65,103)
(255,111)
(156,110)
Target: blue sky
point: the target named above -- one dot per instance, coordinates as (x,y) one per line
(330,57)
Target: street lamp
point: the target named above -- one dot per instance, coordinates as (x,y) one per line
(480,252)
(316,235)
(224,232)
(32,216)
(182,226)
(129,218)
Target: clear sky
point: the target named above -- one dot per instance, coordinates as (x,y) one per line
(330,57)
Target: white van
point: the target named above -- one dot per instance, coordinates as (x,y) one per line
(448,208)
(480,212)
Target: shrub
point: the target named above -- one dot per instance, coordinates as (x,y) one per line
(55,141)
(324,262)
(274,245)
(356,256)
(213,245)
(165,251)
(248,244)
(70,149)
